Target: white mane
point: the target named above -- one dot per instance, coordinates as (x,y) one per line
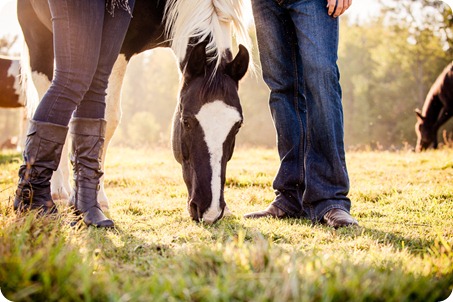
(222,19)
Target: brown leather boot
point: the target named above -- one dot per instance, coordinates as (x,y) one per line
(270,211)
(87,145)
(337,218)
(42,155)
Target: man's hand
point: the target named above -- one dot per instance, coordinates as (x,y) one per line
(336,8)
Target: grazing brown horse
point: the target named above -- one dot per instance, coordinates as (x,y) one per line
(437,110)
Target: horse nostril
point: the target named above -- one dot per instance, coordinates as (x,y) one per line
(193,211)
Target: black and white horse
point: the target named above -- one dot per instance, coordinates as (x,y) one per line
(437,110)
(208,113)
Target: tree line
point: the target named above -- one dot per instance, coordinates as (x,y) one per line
(387,65)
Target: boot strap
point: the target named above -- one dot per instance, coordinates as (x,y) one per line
(87,185)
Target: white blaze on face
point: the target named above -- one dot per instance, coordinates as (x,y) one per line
(216,119)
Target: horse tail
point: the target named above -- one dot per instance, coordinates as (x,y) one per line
(28,89)
(215,20)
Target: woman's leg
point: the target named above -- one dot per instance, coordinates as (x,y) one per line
(113,33)
(77,28)
(88,125)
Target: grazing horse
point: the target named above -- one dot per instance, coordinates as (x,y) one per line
(208,113)
(437,110)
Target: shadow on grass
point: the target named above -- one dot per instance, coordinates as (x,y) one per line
(66,256)
(415,246)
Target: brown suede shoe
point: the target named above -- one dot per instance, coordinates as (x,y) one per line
(337,218)
(270,211)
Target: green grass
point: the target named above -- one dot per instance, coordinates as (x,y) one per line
(402,250)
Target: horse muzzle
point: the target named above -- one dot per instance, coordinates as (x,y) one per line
(209,216)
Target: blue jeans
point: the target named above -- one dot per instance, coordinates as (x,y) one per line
(87,40)
(298,45)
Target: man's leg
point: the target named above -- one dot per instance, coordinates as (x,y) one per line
(326,176)
(280,64)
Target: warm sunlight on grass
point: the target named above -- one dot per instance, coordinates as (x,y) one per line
(402,250)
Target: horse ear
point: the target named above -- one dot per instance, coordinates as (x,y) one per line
(196,63)
(237,68)
(419,114)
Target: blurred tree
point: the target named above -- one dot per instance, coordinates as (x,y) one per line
(258,128)
(419,15)
(150,87)
(358,77)
(144,130)
(388,65)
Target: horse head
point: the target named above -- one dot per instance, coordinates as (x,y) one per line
(207,118)
(426,133)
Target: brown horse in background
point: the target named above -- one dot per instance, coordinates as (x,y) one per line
(437,110)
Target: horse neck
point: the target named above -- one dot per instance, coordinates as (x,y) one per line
(438,93)
(446,90)
(431,109)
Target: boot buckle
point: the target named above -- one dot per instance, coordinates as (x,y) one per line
(27,194)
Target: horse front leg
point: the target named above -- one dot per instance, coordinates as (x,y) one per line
(23,127)
(112,116)
(37,68)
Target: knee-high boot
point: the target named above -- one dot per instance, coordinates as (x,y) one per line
(88,137)
(42,155)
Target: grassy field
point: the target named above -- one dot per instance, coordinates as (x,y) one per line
(402,250)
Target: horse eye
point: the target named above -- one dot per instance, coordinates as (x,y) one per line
(186,123)
(238,127)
